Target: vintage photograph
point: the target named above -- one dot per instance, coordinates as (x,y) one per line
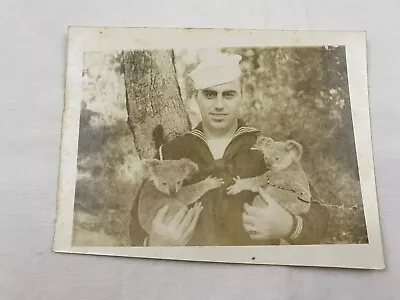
(214,145)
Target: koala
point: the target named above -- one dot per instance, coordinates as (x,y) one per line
(164,186)
(285,180)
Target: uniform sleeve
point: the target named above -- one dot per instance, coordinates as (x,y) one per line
(310,228)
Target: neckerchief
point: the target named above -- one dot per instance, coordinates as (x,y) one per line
(243,140)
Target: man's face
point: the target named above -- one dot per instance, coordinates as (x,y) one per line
(219,105)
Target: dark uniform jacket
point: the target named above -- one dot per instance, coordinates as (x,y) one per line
(220,222)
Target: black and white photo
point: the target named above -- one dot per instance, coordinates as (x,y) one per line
(240,146)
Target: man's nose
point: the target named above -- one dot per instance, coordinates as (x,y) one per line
(219,102)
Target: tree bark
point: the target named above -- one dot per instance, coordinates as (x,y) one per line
(156,112)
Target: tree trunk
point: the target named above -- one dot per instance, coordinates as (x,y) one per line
(156,112)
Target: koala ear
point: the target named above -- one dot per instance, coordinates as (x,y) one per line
(188,166)
(268,141)
(148,165)
(263,141)
(294,149)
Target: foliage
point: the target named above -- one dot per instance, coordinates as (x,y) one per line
(108,173)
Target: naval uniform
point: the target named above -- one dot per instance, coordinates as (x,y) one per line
(220,222)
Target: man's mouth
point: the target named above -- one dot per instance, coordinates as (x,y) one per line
(218,115)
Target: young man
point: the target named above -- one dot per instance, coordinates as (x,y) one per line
(221,145)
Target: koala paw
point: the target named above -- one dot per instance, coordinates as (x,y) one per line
(237,187)
(214,182)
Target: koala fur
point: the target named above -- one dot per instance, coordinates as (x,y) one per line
(164,186)
(285,180)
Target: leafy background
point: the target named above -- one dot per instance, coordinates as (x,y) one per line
(289,93)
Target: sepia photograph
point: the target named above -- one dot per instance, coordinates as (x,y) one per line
(240,146)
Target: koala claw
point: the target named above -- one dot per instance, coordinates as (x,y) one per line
(215,182)
(233,189)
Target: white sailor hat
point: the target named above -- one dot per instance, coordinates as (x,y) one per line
(216,69)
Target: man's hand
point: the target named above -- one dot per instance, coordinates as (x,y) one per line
(269,222)
(178,231)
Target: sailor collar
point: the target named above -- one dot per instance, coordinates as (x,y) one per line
(244,137)
(240,130)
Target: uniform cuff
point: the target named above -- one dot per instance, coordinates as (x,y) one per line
(146,242)
(297,227)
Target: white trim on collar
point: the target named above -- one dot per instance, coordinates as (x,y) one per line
(239,131)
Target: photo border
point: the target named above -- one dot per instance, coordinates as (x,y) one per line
(110,39)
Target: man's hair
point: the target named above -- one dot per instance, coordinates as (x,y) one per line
(241,82)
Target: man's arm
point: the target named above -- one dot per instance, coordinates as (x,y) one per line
(306,229)
(310,228)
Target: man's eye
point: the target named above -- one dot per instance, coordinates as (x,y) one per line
(209,94)
(179,182)
(164,183)
(277,158)
(229,95)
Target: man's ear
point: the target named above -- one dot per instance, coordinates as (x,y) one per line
(148,165)
(294,149)
(188,166)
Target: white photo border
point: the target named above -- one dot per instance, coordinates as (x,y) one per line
(110,39)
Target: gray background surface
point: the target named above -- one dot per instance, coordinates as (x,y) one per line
(33,49)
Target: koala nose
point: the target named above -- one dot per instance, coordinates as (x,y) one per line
(172,191)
